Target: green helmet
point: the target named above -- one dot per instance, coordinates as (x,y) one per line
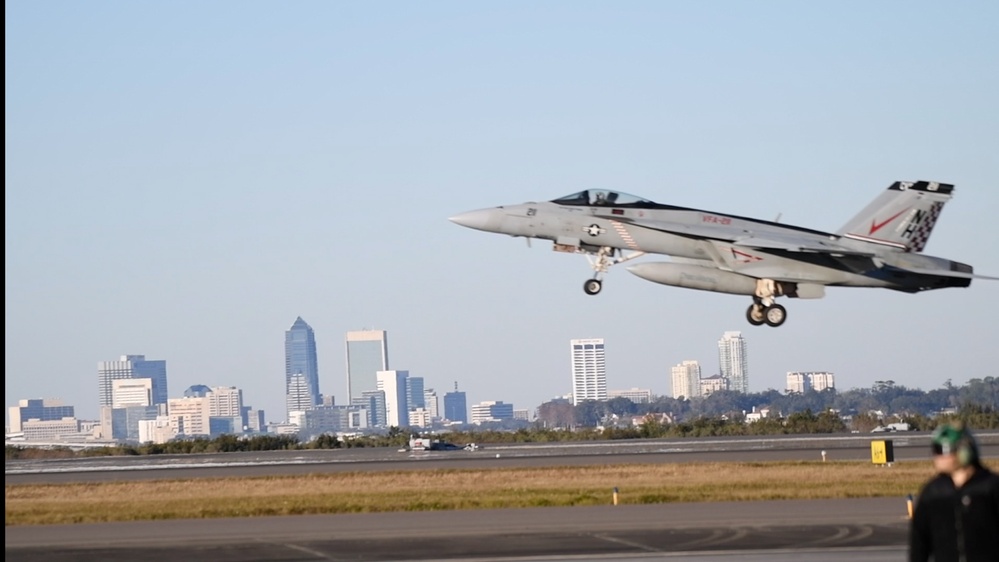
(954,438)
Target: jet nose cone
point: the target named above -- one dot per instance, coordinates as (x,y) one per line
(482,219)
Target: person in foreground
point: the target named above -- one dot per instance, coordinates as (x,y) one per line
(956,515)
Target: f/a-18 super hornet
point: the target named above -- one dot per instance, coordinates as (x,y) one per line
(880,247)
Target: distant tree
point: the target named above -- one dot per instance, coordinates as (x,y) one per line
(556,414)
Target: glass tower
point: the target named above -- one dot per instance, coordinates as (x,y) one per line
(367,353)
(131,367)
(733,361)
(300,359)
(456,406)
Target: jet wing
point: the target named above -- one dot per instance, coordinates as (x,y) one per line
(772,241)
(760,241)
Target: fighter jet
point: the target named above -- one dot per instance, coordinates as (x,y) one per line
(879,247)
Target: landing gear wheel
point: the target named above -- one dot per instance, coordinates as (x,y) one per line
(755,315)
(592,286)
(775,315)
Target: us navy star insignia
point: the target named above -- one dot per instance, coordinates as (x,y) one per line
(594,230)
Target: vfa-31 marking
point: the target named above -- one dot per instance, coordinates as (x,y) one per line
(880,247)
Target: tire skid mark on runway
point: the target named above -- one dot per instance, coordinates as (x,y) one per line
(836,538)
(625,542)
(307,550)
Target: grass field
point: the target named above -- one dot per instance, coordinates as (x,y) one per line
(354,492)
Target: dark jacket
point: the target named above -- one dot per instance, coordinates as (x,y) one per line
(960,525)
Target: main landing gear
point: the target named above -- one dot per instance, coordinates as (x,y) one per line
(600,261)
(764,310)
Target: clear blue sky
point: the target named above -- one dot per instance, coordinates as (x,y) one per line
(184,179)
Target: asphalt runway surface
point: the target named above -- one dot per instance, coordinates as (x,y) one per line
(802,530)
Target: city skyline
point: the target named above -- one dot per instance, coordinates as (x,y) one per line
(586,366)
(157,205)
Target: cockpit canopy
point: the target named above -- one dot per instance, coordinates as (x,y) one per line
(603,198)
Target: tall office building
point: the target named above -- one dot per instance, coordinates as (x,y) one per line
(131,367)
(393,384)
(686,379)
(42,409)
(189,416)
(491,411)
(414,392)
(367,353)
(430,403)
(131,392)
(373,402)
(300,359)
(589,373)
(733,361)
(297,397)
(225,402)
(456,406)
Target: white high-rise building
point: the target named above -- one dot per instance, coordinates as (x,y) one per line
(431,403)
(686,379)
(797,383)
(189,416)
(589,372)
(801,382)
(733,361)
(225,402)
(131,392)
(822,380)
(393,384)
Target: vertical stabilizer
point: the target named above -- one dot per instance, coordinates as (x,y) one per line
(901,217)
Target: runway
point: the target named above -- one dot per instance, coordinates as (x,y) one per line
(803,530)
(727,531)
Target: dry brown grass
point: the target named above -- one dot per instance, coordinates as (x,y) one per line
(456,489)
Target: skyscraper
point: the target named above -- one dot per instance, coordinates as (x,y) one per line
(131,367)
(589,373)
(297,397)
(393,384)
(367,353)
(733,361)
(414,392)
(686,379)
(456,406)
(300,359)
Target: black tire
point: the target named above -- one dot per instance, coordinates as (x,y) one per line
(592,286)
(775,315)
(755,315)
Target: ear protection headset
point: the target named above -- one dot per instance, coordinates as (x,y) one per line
(955,439)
